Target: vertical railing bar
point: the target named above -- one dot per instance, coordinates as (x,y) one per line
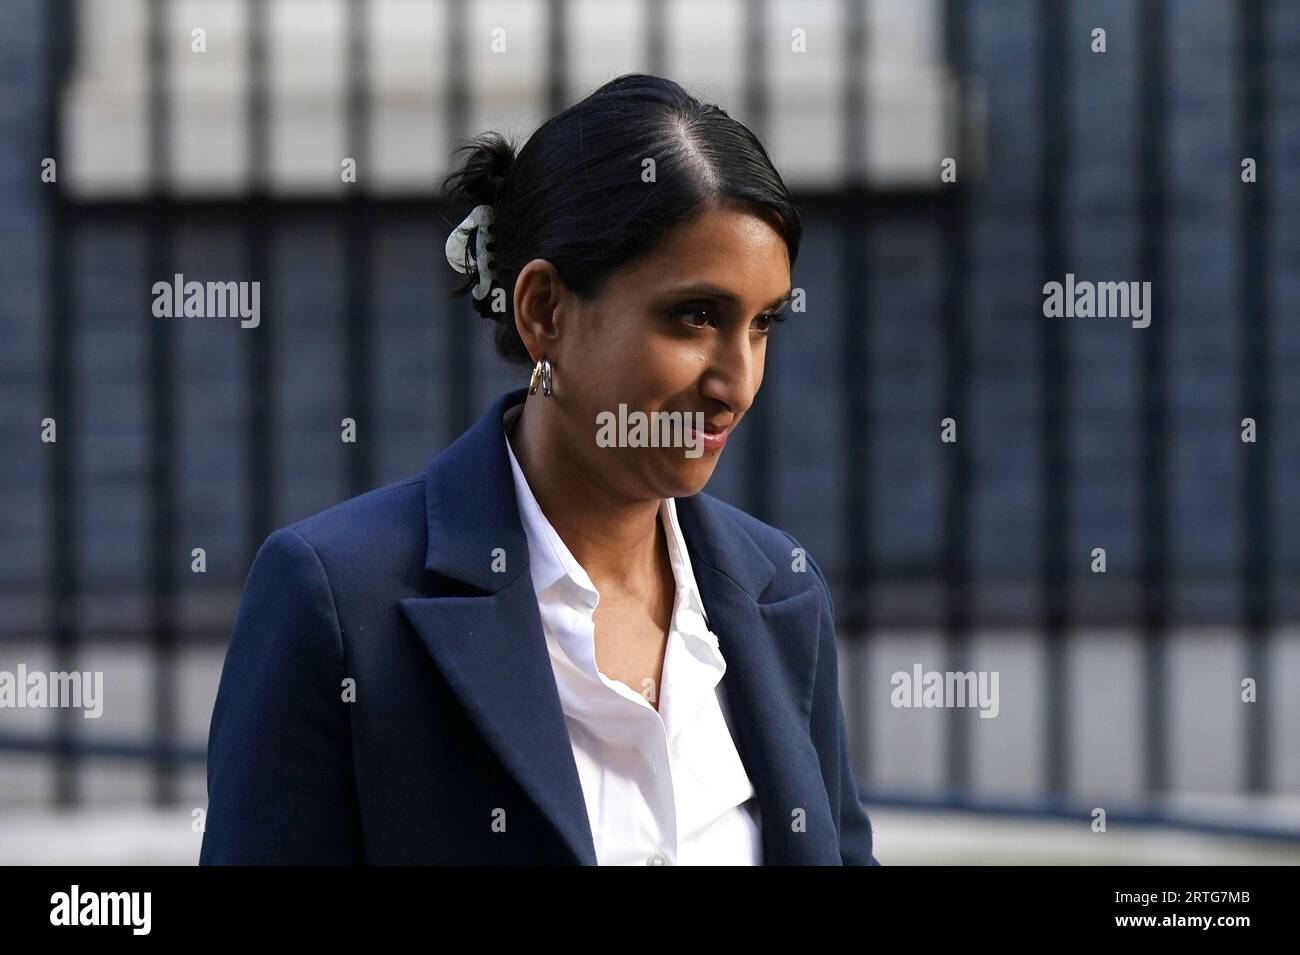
(61,281)
(852,224)
(162,426)
(955,402)
(357,241)
(458,369)
(1155,490)
(1256,387)
(1054,77)
(761,416)
(557,44)
(656,36)
(260,342)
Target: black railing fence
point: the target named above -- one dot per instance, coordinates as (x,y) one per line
(856,224)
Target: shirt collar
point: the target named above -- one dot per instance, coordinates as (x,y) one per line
(681,559)
(549,557)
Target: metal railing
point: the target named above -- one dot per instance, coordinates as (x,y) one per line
(855,209)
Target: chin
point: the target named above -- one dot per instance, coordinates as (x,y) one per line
(691,479)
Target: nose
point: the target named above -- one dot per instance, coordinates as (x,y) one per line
(735,371)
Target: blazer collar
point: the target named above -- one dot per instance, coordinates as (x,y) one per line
(491,649)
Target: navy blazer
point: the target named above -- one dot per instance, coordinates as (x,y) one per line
(387,696)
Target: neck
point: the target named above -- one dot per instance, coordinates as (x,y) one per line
(618,542)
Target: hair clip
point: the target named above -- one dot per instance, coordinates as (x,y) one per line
(480,217)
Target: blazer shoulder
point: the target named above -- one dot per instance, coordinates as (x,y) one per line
(383,515)
(787,555)
(372,540)
(769,538)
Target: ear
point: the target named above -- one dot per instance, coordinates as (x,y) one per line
(539,295)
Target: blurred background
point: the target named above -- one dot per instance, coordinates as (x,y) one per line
(206,137)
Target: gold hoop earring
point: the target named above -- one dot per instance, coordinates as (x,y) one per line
(542,370)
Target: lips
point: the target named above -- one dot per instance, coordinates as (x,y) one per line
(714,436)
(709,427)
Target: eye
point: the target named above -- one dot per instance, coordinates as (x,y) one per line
(772,318)
(692,310)
(689,312)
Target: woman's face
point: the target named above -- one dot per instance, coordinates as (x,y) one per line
(682,329)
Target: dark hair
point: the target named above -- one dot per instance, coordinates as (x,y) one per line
(574,195)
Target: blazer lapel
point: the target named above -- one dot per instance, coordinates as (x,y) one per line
(502,674)
(771,653)
(490,647)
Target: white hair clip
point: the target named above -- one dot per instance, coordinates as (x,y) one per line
(458,242)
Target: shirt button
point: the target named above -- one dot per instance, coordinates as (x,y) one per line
(657,859)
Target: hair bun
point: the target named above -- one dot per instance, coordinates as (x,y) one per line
(489,159)
(481,180)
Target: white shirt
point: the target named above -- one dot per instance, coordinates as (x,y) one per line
(662,787)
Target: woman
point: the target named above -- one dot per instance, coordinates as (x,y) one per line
(551,647)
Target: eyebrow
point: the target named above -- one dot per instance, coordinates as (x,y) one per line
(728,296)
